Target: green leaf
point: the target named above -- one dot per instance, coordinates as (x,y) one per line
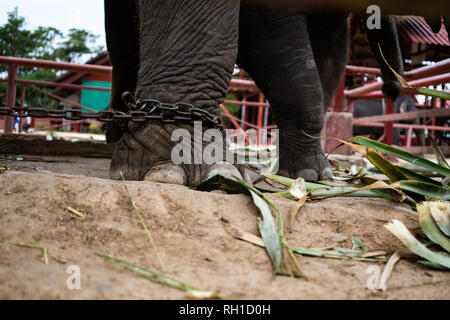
(31,246)
(401,154)
(412,175)
(419,170)
(219,182)
(288,182)
(429,226)
(153,275)
(385,166)
(431,93)
(399,230)
(432,265)
(446,181)
(343,192)
(280,179)
(269,232)
(429,191)
(357,243)
(337,253)
(288,265)
(440,211)
(439,155)
(267,227)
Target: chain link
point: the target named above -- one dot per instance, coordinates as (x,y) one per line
(138,111)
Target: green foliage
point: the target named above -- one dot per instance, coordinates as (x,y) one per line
(34,98)
(95,128)
(232,108)
(42,43)
(76,45)
(17,41)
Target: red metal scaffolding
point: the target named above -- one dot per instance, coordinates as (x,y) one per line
(245,90)
(433,75)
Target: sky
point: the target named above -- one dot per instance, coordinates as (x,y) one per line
(62,14)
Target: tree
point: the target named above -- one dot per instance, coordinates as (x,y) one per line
(42,43)
(17,41)
(76,45)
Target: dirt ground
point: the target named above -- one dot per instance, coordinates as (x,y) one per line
(187,230)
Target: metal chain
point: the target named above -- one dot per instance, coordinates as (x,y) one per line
(138,111)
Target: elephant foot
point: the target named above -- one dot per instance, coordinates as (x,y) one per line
(303,157)
(167,173)
(155,152)
(176,174)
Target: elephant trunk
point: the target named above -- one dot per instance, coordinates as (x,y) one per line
(386,38)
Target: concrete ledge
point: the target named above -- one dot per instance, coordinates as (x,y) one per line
(38,145)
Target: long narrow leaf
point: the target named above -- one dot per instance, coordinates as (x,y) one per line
(439,155)
(432,265)
(219,182)
(289,265)
(420,170)
(150,237)
(377,160)
(158,277)
(429,191)
(336,253)
(431,93)
(440,210)
(269,232)
(345,192)
(391,171)
(31,246)
(378,185)
(446,181)
(288,182)
(401,154)
(412,175)
(429,226)
(403,234)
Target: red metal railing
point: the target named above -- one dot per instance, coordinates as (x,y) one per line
(433,75)
(429,75)
(236,85)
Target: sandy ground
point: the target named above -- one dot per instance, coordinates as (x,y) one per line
(187,230)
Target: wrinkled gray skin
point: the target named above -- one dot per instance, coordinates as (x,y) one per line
(185,50)
(367,108)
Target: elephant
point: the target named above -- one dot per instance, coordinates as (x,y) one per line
(367,108)
(186,50)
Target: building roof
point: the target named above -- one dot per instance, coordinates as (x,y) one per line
(74,77)
(100,59)
(417,30)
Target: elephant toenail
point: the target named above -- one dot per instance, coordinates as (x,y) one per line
(308,174)
(167,173)
(326,173)
(226,170)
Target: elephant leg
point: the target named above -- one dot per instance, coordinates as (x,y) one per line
(122,39)
(275,49)
(420,134)
(396,132)
(187,53)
